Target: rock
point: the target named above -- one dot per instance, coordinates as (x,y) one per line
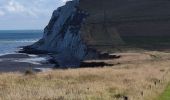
(80,28)
(128,17)
(99,31)
(62,37)
(42,69)
(71,37)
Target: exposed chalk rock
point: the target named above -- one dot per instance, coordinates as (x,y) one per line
(62,36)
(68,36)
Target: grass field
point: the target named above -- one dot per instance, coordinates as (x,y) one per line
(166,94)
(136,76)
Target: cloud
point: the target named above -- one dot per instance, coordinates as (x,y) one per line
(30,7)
(14,6)
(27,13)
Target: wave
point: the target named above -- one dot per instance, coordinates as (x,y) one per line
(19,41)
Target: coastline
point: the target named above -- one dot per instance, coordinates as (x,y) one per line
(143,75)
(20,62)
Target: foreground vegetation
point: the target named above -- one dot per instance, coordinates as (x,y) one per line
(134,76)
(166,94)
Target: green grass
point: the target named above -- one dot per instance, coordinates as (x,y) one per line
(166,94)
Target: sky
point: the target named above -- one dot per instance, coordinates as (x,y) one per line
(26,14)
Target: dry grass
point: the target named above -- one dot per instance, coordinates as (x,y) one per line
(138,80)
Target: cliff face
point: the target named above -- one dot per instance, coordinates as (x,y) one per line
(130,17)
(69,39)
(62,37)
(81,24)
(99,29)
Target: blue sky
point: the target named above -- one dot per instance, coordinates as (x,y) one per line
(26,14)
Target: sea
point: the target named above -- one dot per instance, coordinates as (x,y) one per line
(11,40)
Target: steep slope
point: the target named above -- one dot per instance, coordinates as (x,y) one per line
(130,17)
(62,37)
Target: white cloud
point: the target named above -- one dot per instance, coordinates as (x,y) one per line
(14,6)
(32,8)
(25,14)
(19,8)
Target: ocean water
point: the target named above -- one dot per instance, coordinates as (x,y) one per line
(10,41)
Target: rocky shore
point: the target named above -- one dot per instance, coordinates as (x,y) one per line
(23,62)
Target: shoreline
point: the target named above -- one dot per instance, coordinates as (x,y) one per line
(145,74)
(20,62)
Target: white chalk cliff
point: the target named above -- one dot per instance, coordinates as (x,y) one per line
(62,36)
(68,38)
